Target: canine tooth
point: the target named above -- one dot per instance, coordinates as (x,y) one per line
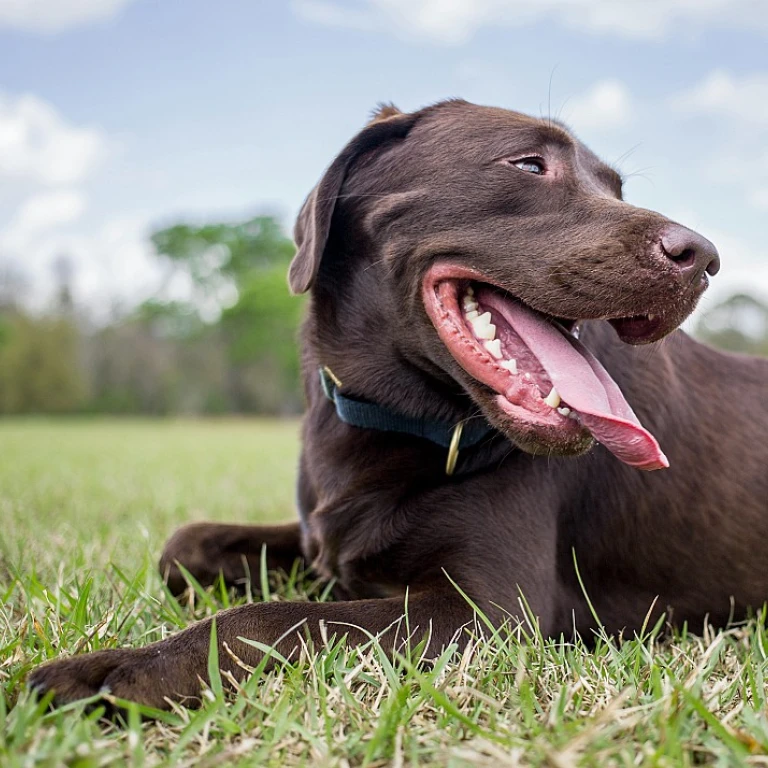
(553,398)
(494,347)
(483,327)
(472,314)
(510,365)
(564,411)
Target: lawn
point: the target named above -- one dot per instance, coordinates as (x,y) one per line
(85,508)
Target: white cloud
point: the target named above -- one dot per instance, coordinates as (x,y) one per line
(606,105)
(47,163)
(111,263)
(37,144)
(118,255)
(720,93)
(50,16)
(41,213)
(455,21)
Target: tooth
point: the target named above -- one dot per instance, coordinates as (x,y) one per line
(651,317)
(564,411)
(510,365)
(494,347)
(573,415)
(553,398)
(469,303)
(575,332)
(483,327)
(472,314)
(470,291)
(527,375)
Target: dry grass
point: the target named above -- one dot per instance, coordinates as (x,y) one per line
(85,508)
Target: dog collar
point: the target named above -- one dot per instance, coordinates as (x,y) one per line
(367,415)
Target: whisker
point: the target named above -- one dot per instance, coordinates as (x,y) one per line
(627,154)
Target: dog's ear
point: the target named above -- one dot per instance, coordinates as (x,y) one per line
(314,221)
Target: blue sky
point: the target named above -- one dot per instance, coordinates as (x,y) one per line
(120,115)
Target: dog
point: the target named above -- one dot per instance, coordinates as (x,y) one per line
(485,417)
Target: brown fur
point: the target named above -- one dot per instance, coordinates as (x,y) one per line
(378,512)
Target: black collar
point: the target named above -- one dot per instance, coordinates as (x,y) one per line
(360,413)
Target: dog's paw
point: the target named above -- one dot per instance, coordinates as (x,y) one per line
(134,675)
(77,677)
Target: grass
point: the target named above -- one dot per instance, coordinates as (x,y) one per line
(85,507)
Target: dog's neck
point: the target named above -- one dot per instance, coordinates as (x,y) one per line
(455,437)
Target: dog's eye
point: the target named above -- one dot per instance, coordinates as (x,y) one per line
(530,164)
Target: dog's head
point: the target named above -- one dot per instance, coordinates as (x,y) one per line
(467,243)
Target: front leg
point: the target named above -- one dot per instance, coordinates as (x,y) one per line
(172,668)
(208,550)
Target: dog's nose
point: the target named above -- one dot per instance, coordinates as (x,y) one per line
(693,254)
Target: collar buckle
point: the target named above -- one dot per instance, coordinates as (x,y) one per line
(453,448)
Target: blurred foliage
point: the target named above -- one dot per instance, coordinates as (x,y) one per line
(262,328)
(739,324)
(6,330)
(39,365)
(239,269)
(230,347)
(214,250)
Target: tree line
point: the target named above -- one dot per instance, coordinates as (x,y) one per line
(229,348)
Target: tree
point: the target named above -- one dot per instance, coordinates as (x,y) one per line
(738,324)
(238,271)
(220,257)
(13,285)
(40,368)
(261,330)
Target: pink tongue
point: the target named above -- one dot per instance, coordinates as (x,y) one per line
(586,387)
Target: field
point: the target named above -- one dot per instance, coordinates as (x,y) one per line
(85,507)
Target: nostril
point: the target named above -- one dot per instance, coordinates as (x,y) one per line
(686,258)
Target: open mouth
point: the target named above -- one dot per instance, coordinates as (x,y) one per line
(638,330)
(544,380)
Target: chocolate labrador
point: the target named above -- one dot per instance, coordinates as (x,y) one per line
(482,403)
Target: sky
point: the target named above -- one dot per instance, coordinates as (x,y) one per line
(121,116)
